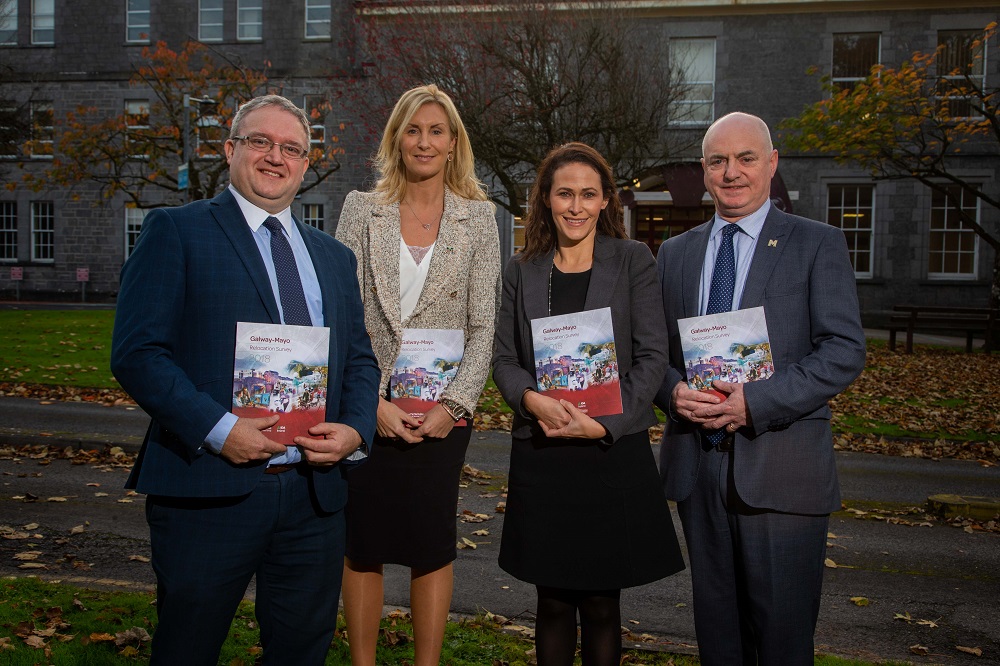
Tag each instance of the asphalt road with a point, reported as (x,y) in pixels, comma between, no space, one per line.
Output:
(936,573)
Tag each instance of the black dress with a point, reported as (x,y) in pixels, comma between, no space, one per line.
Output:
(402,501)
(581,514)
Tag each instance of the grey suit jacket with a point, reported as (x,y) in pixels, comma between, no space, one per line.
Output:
(623,278)
(802,275)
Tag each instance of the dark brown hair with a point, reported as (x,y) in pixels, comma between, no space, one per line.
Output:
(539,227)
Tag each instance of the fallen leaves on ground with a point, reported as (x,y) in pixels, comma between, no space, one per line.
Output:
(916,516)
(108,457)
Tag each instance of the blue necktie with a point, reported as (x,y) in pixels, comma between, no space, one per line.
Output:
(720,295)
(293,299)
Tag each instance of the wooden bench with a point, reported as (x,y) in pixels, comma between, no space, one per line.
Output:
(938,318)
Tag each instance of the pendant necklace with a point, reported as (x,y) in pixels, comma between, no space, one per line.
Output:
(427,226)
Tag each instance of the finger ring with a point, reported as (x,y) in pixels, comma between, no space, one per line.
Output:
(732,427)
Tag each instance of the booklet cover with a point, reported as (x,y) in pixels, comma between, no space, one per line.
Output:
(728,346)
(575,360)
(428,361)
(281,369)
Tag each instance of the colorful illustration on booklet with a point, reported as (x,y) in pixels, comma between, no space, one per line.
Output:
(270,377)
(427,364)
(575,360)
(731,347)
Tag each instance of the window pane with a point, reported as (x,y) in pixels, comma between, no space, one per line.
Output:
(210,21)
(953,244)
(43,22)
(43,231)
(137,21)
(249,19)
(854,54)
(8,22)
(692,61)
(846,210)
(8,230)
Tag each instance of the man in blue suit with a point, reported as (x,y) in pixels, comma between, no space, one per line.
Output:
(754,475)
(225,502)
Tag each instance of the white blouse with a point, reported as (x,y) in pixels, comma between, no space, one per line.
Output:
(411,278)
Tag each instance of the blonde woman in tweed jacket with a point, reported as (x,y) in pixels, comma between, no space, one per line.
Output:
(428,257)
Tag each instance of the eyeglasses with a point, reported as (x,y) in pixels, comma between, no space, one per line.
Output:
(263,144)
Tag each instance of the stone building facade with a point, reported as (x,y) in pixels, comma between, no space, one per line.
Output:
(747,55)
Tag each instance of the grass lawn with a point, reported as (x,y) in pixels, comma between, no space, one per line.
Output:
(48,623)
(70,348)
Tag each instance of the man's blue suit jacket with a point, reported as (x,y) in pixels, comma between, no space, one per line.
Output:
(194,273)
(801,273)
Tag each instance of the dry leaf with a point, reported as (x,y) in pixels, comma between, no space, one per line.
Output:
(27,555)
(903,616)
(860,601)
(973,650)
(32,565)
(100,494)
(36,642)
(93,485)
(928,623)
(56,499)
(481,533)
(921,650)
(468,543)
(138,558)
(101,637)
(829,564)
(31,526)
(77,530)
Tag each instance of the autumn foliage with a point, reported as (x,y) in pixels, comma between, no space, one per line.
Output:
(912,122)
(136,153)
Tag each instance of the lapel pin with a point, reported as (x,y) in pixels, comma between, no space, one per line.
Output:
(772,243)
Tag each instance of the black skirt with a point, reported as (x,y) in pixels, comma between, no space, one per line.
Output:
(586,516)
(401,503)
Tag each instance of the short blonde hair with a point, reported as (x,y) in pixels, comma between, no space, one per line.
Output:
(459,173)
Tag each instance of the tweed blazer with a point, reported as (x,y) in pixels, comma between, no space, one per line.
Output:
(461,291)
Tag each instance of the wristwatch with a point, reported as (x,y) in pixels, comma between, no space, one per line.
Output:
(456,411)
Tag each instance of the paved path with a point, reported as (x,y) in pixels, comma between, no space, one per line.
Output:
(938,573)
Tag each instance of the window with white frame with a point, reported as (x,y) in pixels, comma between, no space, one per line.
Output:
(961,63)
(210,20)
(954,244)
(692,63)
(312,214)
(137,21)
(43,130)
(8,22)
(316,107)
(133,225)
(249,20)
(136,123)
(8,231)
(317,19)
(854,55)
(852,209)
(43,231)
(43,22)
(10,134)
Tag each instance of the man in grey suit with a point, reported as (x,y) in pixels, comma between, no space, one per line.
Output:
(754,474)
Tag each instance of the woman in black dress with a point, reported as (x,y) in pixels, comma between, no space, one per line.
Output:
(585,515)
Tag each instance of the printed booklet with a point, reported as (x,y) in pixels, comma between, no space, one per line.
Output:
(428,361)
(728,346)
(281,369)
(575,360)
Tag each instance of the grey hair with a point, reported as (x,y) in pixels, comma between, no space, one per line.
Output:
(270,100)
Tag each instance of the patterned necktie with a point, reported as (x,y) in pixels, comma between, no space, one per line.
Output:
(293,299)
(720,295)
